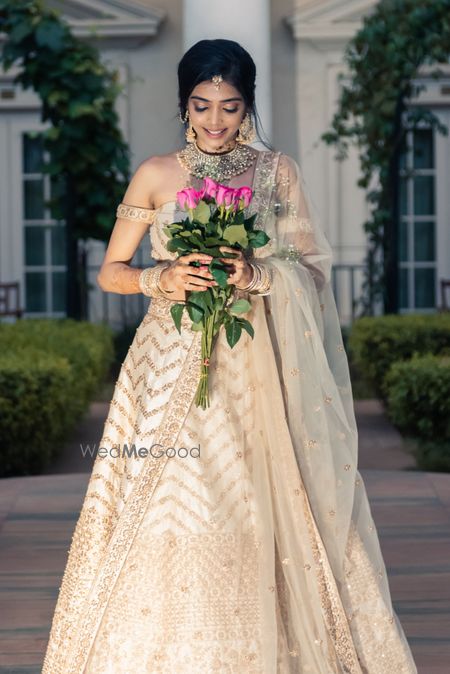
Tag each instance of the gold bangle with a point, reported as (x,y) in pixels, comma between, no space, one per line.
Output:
(263,286)
(149,279)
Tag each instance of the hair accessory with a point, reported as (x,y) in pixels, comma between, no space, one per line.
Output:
(216,80)
(218,166)
(246,130)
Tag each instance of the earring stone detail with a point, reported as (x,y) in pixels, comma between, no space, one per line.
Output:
(216,80)
(183,118)
(190,134)
(246,130)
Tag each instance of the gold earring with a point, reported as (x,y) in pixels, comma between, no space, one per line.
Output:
(190,134)
(246,131)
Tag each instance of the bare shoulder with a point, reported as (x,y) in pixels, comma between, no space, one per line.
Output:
(156,167)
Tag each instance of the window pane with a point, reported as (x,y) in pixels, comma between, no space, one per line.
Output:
(424,288)
(423,149)
(58,244)
(32,154)
(424,195)
(35,291)
(57,192)
(403,242)
(59,290)
(403,196)
(35,245)
(403,289)
(404,151)
(424,242)
(33,194)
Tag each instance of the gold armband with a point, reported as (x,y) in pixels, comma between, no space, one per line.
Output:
(135,213)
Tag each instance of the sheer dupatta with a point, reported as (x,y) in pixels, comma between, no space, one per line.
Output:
(326,540)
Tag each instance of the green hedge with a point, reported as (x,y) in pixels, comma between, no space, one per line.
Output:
(377,343)
(49,372)
(418,402)
(418,396)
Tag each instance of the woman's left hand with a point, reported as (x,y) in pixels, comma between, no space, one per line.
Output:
(241,272)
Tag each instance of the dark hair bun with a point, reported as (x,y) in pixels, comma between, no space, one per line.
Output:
(217,57)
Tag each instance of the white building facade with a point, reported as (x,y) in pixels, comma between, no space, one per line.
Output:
(298,49)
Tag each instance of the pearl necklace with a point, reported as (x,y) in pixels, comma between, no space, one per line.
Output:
(214,165)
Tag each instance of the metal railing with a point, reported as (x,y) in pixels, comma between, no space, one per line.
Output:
(347,281)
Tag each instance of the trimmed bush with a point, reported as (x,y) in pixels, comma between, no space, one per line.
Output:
(418,403)
(376,343)
(33,409)
(433,456)
(49,372)
(418,397)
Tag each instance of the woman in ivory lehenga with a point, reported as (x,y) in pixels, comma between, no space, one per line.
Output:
(245,544)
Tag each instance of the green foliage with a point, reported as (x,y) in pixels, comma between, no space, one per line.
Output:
(49,372)
(383,58)
(418,402)
(78,94)
(418,397)
(377,343)
(432,455)
(34,388)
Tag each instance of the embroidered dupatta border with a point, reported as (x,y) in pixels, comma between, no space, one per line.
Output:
(333,611)
(134,510)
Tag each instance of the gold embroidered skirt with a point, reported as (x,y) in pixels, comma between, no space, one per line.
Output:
(197,550)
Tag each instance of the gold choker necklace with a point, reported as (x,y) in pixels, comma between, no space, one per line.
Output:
(214,165)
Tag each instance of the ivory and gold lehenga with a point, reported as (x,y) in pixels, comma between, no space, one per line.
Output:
(260,555)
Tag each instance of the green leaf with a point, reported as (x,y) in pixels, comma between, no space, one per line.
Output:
(203,300)
(177,311)
(219,274)
(202,213)
(236,234)
(241,306)
(233,332)
(196,327)
(259,239)
(195,312)
(79,109)
(247,326)
(51,34)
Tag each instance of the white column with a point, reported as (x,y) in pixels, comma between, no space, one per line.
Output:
(246,22)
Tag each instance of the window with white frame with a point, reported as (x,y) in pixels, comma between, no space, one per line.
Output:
(44,236)
(417,235)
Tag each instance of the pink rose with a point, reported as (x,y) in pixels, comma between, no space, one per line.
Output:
(210,188)
(220,194)
(244,195)
(188,198)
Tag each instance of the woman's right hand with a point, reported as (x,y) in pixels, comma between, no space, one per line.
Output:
(180,276)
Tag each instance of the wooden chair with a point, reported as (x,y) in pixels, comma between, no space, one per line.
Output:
(10,300)
(445,285)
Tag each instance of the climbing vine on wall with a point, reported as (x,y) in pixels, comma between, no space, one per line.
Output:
(87,155)
(375,112)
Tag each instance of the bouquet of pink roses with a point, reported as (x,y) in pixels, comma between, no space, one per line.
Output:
(215,218)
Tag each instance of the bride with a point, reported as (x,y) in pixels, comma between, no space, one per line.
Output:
(236,539)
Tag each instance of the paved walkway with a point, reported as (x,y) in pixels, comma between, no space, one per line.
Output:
(411,510)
